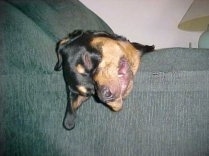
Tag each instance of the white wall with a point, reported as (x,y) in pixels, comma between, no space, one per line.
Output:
(146,21)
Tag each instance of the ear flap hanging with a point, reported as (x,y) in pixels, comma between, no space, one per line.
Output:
(75,34)
(143,48)
(87,61)
(71,37)
(58,65)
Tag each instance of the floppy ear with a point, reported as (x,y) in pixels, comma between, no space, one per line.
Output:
(143,48)
(58,65)
(75,34)
(91,60)
(60,45)
(87,60)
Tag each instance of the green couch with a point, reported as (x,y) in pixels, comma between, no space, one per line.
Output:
(167,114)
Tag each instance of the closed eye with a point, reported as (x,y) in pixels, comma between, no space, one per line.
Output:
(85,74)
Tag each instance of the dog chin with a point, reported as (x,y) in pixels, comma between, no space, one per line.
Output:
(124,81)
(124,86)
(125,76)
(119,86)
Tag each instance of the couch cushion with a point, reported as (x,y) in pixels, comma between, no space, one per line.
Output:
(166,114)
(30,30)
(176,59)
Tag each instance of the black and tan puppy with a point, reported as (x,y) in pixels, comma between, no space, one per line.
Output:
(97,63)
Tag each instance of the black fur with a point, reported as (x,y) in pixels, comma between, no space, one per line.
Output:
(73,50)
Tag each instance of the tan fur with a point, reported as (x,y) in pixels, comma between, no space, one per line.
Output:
(77,102)
(63,41)
(80,69)
(112,51)
(82,89)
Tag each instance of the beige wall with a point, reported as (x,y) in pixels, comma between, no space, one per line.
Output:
(146,21)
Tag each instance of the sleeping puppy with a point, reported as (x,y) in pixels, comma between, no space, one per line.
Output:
(115,72)
(97,63)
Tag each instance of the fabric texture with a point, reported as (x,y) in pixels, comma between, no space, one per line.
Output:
(167,112)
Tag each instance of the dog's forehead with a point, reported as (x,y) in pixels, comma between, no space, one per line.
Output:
(109,48)
(104,42)
(113,50)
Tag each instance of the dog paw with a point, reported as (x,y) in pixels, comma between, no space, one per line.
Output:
(69,121)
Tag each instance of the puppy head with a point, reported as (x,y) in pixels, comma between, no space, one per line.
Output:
(78,61)
(114,75)
(101,61)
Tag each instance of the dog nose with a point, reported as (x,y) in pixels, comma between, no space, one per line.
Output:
(106,93)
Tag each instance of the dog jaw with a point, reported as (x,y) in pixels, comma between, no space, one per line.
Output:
(116,105)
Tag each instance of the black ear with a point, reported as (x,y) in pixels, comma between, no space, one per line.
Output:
(62,43)
(58,65)
(87,61)
(75,34)
(143,48)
